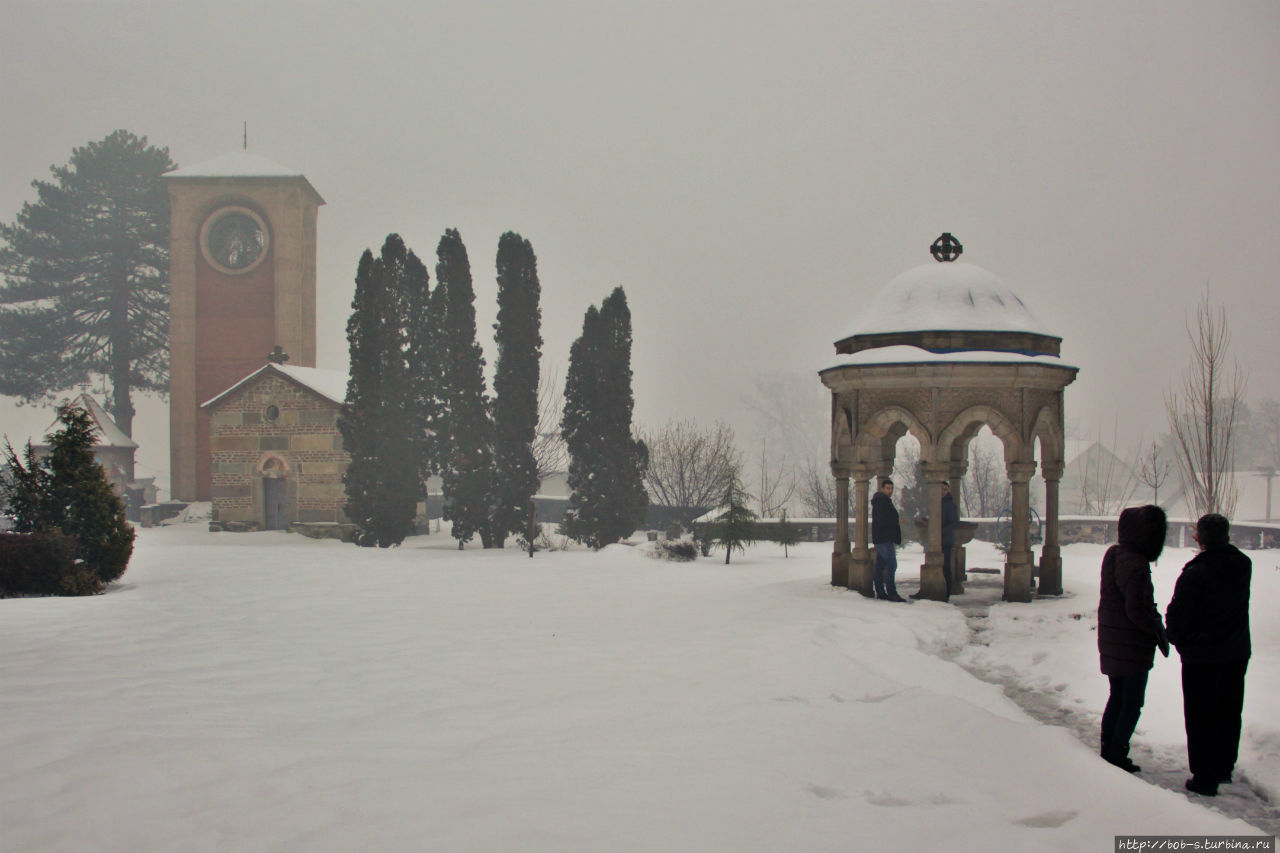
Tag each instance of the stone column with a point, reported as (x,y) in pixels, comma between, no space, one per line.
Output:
(840,556)
(1018,563)
(1051,555)
(933,585)
(862,562)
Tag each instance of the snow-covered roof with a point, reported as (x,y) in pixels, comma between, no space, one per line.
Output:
(330,384)
(109,435)
(238,164)
(947,296)
(906,354)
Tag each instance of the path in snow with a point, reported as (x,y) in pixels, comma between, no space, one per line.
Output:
(1161,765)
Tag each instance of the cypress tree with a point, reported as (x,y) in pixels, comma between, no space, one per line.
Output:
(515,387)
(422,362)
(382,483)
(606,471)
(464,432)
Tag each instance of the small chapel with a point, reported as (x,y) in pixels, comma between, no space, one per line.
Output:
(943,350)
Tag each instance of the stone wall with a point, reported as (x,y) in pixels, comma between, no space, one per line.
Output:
(301,445)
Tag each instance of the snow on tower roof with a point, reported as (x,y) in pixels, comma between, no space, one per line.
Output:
(238,164)
(947,296)
(907,354)
(109,434)
(330,384)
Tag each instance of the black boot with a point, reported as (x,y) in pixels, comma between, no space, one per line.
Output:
(1119,756)
(1202,787)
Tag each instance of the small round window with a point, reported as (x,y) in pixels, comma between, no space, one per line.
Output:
(272,413)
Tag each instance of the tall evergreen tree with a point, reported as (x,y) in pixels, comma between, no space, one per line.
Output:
(515,386)
(464,433)
(87,277)
(423,365)
(606,470)
(69,492)
(382,483)
(735,529)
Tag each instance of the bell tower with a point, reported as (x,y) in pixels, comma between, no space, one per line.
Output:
(242,266)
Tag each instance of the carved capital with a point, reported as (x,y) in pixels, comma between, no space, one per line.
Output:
(935,472)
(1052,470)
(1020,472)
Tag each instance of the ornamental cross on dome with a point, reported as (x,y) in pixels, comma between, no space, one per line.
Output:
(946,248)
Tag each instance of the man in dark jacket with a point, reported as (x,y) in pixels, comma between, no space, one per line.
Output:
(950,518)
(886,535)
(1129,626)
(1209,624)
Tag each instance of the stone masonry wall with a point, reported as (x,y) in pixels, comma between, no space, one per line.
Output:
(304,435)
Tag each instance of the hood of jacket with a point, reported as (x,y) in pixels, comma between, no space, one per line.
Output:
(1143,528)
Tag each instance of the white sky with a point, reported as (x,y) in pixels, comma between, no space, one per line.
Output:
(750,172)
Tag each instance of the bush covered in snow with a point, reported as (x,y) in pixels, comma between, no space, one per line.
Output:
(675,550)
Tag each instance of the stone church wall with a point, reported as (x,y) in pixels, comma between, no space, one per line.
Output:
(302,445)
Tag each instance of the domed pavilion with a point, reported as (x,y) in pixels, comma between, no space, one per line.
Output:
(945,349)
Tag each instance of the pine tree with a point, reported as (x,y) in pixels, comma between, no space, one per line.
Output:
(67,491)
(736,527)
(382,482)
(87,270)
(464,431)
(515,387)
(606,470)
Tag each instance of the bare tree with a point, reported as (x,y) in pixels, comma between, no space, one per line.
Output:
(816,489)
(549,451)
(1203,414)
(777,485)
(1153,470)
(1269,432)
(1106,483)
(986,489)
(691,466)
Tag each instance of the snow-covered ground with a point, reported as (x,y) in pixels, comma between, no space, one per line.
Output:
(268,692)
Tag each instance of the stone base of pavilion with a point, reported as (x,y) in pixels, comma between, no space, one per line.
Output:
(1023,579)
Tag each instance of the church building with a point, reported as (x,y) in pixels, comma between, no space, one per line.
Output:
(242,258)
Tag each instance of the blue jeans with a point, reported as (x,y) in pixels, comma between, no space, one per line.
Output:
(1124,706)
(886,568)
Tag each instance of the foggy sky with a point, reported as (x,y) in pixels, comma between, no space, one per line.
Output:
(751,173)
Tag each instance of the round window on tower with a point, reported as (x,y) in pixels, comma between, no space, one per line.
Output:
(272,413)
(234,240)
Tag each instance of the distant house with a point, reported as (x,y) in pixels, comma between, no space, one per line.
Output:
(114,451)
(1095,481)
(1257,498)
(276,453)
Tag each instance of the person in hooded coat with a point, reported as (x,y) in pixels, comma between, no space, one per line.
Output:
(1209,625)
(1129,626)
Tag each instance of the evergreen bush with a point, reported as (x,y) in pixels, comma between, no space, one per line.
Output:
(42,564)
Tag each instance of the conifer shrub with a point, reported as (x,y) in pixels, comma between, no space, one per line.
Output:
(43,564)
(67,491)
(676,550)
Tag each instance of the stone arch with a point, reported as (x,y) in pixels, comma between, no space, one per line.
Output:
(965,426)
(1046,429)
(880,432)
(272,465)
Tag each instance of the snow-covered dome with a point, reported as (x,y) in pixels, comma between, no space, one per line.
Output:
(949,307)
(948,296)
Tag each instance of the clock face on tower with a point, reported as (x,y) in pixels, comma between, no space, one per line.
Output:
(234,240)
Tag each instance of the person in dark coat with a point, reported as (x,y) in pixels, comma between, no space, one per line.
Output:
(1129,626)
(1209,625)
(886,535)
(950,518)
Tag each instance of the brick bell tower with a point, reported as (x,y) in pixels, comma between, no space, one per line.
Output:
(242,265)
